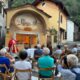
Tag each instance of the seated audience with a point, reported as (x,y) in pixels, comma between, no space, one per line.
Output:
(45,61)
(23,64)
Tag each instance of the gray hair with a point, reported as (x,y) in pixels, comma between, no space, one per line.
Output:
(38,46)
(65,46)
(3,51)
(46,51)
(73,59)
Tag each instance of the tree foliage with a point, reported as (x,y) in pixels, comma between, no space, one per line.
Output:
(21,2)
(73,7)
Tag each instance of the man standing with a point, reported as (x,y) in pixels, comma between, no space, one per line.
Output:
(12,46)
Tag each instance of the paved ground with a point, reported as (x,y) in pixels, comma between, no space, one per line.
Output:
(35,76)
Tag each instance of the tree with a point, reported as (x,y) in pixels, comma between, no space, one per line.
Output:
(21,2)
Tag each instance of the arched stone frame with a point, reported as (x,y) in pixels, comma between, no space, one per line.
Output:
(38,16)
(44,26)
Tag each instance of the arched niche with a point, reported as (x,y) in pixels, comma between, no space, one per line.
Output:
(28,20)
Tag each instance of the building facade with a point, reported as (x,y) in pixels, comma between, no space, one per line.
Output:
(32,24)
(3,5)
(70,30)
(73,33)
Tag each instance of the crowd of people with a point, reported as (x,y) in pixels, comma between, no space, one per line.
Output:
(64,61)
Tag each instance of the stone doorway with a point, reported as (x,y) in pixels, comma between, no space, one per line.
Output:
(26,39)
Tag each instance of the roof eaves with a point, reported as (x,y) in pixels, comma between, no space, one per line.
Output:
(58,2)
(41,11)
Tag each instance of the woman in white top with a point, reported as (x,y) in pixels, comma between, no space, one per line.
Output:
(23,64)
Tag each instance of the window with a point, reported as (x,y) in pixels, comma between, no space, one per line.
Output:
(65,35)
(61,19)
(43,3)
(55,38)
(48,39)
(0,7)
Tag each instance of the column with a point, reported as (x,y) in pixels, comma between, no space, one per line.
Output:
(52,40)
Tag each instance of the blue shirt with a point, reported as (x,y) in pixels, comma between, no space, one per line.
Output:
(6,61)
(46,62)
(67,74)
(38,52)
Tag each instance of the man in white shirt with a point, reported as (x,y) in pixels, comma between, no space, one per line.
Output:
(30,52)
(23,64)
(58,52)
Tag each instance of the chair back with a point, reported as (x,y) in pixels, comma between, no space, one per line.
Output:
(25,70)
(21,70)
(6,74)
(46,69)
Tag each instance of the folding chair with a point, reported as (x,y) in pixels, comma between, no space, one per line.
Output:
(6,74)
(58,77)
(46,69)
(19,70)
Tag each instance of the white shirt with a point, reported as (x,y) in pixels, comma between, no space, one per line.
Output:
(23,65)
(58,51)
(74,50)
(30,52)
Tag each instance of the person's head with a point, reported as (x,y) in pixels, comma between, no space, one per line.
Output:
(12,37)
(65,47)
(70,61)
(23,55)
(38,46)
(42,46)
(3,52)
(46,51)
(68,52)
(75,45)
(58,47)
(26,46)
(64,62)
(35,47)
